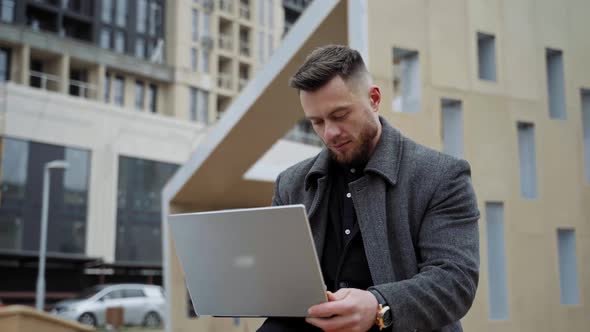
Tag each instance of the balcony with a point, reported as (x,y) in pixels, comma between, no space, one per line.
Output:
(242,83)
(225,42)
(82,89)
(44,81)
(224,81)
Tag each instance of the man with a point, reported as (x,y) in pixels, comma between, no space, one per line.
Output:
(394,222)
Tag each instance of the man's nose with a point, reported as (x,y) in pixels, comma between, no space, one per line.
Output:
(331,132)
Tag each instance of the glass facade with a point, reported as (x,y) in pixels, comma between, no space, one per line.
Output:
(21,188)
(139,209)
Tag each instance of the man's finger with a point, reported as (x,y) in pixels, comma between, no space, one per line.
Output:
(333,324)
(332,308)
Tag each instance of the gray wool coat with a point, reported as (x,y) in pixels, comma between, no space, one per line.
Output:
(417,213)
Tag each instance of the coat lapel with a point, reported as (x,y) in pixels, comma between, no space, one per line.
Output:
(317,186)
(368,194)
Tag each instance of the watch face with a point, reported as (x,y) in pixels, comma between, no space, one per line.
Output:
(387,319)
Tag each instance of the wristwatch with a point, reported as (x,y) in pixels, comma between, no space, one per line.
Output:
(384,317)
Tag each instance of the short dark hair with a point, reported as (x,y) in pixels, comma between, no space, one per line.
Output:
(325,63)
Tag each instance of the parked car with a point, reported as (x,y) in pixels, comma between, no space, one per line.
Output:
(142,305)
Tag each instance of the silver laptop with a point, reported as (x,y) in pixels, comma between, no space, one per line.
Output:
(249,262)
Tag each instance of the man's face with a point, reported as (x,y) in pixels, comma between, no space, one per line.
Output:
(345,118)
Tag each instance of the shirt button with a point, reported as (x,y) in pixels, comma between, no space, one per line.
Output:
(347,231)
(348,195)
(352,170)
(343,284)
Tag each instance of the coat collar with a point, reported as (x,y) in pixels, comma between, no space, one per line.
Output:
(385,160)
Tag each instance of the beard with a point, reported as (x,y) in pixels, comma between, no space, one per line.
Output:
(360,153)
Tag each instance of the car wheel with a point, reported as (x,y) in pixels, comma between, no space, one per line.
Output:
(152,319)
(88,319)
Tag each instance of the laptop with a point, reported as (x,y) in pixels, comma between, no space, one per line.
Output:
(258,262)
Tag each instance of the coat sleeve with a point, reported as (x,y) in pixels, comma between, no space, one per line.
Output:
(444,288)
(276,197)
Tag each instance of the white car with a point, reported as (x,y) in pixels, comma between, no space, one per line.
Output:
(142,305)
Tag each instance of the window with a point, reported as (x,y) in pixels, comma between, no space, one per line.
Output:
(105,38)
(21,196)
(406,81)
(121,12)
(107,10)
(206,22)
(486,56)
(119,93)
(120,41)
(205,61)
(7,10)
(270,9)
(4,64)
(194,56)
(139,187)
(261,13)
(141,15)
(195,26)
(586,131)
(153,98)
(270,45)
(133,293)
(261,46)
(140,48)
(199,103)
(527,157)
(568,269)
(555,84)
(139,95)
(107,88)
(498,289)
(155,18)
(452,127)
(116,294)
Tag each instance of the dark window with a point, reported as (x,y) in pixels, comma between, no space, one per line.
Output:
(21,196)
(4,64)
(140,183)
(7,10)
(119,93)
(105,38)
(107,88)
(107,11)
(153,98)
(139,95)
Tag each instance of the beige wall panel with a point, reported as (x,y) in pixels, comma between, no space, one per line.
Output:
(551,21)
(489,145)
(448,37)
(521,54)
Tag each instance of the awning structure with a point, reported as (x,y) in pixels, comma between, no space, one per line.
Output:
(264,111)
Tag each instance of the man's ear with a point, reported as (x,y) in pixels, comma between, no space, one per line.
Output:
(375,97)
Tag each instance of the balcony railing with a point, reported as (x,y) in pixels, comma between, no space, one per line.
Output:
(224,81)
(225,42)
(298,134)
(44,81)
(83,89)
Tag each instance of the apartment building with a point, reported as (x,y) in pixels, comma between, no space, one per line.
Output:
(123,91)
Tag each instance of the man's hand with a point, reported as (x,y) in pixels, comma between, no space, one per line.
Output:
(349,309)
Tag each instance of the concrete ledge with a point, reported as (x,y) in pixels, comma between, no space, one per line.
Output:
(18,318)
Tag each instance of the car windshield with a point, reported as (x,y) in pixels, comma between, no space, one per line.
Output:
(87,293)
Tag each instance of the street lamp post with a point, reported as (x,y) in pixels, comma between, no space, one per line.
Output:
(40,296)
